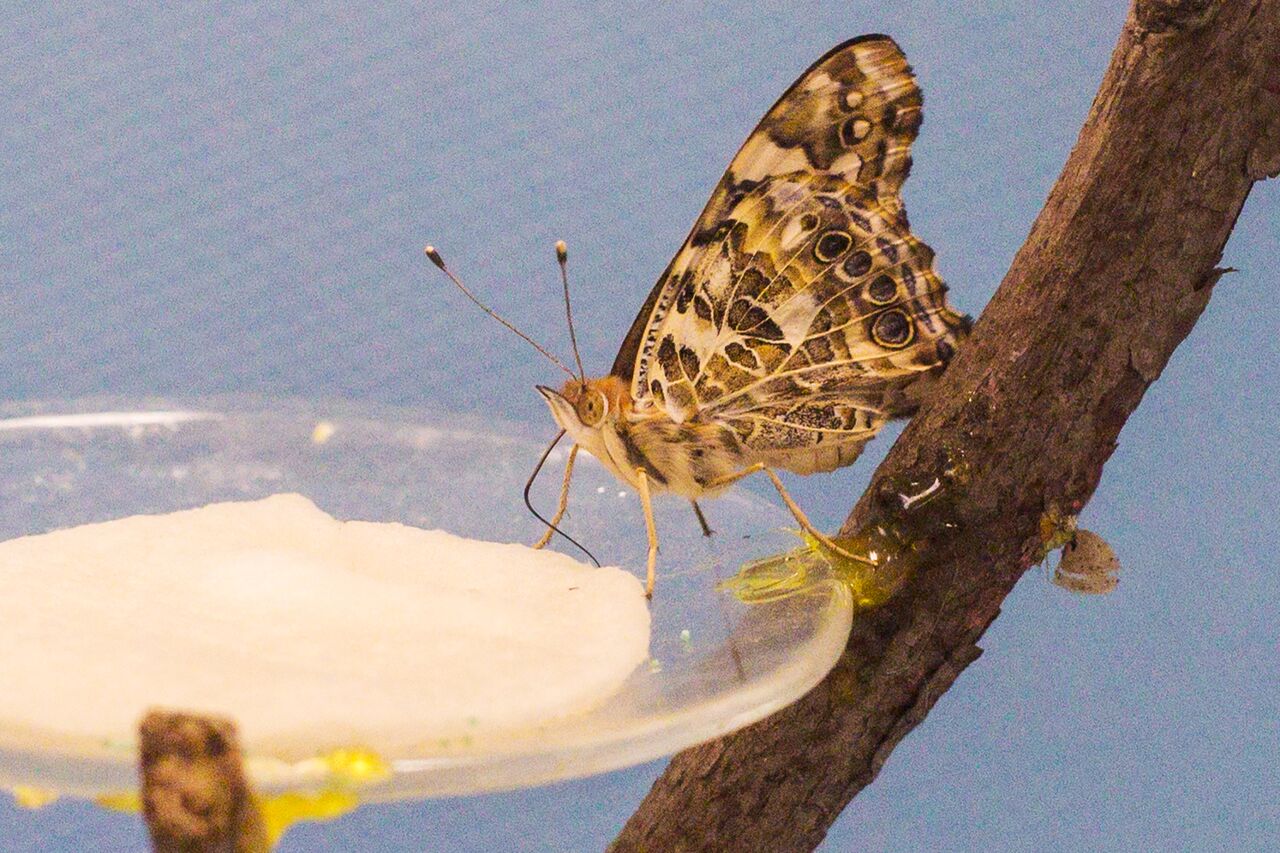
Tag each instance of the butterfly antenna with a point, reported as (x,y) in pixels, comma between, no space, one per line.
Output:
(439,262)
(529,504)
(562,257)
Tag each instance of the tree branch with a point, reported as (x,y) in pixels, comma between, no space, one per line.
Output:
(1115,272)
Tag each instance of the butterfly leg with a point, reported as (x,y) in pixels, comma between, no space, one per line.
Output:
(702,519)
(564,500)
(796,512)
(642,486)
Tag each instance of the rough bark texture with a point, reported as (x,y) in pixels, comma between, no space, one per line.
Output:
(194,793)
(1117,269)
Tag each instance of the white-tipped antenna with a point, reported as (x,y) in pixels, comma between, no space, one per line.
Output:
(439,261)
(562,257)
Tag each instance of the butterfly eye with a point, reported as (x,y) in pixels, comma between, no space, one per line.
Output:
(591,408)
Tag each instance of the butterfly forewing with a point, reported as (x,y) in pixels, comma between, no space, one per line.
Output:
(801,301)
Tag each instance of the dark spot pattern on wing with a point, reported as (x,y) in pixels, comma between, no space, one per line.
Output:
(689,362)
(741,356)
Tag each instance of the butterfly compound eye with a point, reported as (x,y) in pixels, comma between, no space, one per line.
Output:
(591,407)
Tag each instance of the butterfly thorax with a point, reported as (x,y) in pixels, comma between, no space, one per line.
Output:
(687,458)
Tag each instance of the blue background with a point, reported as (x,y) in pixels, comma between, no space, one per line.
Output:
(232,196)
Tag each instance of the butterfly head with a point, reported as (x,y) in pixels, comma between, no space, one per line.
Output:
(585,408)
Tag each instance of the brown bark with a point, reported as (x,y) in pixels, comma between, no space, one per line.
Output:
(194,793)
(1116,271)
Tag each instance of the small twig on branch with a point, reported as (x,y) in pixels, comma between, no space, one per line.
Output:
(194,793)
(1117,269)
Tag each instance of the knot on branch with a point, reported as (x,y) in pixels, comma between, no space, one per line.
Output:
(1264,159)
(1163,16)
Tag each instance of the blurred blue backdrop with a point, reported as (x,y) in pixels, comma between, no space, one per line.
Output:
(233,196)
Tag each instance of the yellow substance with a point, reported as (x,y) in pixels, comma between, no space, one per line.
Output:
(345,769)
(279,811)
(871,580)
(341,767)
(1056,530)
(129,802)
(356,766)
(282,811)
(872,583)
(877,560)
(323,432)
(31,797)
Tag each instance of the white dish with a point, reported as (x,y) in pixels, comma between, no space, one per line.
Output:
(717,664)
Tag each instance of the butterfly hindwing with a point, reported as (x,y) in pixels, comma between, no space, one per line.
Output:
(801,300)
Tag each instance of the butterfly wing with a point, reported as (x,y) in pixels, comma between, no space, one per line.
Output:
(813,127)
(801,303)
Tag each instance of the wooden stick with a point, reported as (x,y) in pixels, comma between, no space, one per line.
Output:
(195,797)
